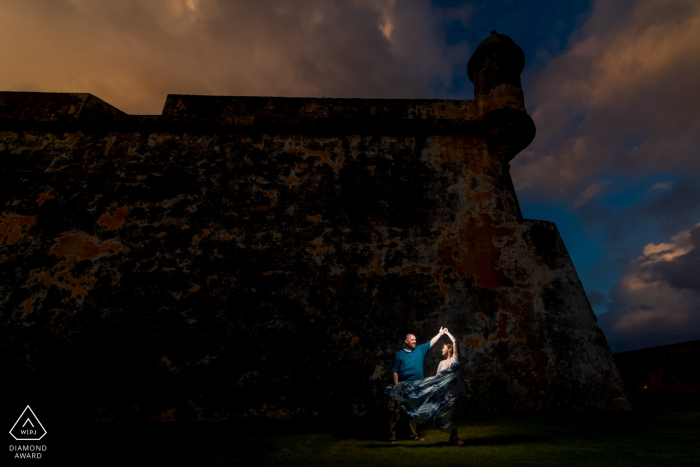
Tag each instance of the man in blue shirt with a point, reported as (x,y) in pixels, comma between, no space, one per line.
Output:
(408,366)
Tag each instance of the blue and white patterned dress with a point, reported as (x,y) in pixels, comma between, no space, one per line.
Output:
(433,398)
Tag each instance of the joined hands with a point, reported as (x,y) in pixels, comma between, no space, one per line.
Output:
(444,331)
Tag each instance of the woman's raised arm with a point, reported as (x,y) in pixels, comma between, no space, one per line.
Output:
(455,346)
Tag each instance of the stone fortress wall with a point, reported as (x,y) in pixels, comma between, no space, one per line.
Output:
(264,256)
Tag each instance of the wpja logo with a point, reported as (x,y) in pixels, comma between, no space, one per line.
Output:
(28,428)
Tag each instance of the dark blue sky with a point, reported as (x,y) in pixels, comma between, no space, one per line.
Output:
(542,30)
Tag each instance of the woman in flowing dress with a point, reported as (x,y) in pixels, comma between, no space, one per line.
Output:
(435,398)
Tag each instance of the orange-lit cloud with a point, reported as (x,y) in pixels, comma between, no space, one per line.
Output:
(132,53)
(623,99)
(657,299)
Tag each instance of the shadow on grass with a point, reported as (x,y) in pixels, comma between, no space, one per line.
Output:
(495,441)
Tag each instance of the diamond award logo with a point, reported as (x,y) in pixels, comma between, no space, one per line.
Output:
(28,427)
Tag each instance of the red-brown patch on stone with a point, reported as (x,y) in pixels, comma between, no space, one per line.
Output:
(269,273)
(78,287)
(315,219)
(272,194)
(481,317)
(165,417)
(501,327)
(80,246)
(44,197)
(320,249)
(475,341)
(194,288)
(115,221)
(479,257)
(453,149)
(440,283)
(225,236)
(519,275)
(260,207)
(376,264)
(12,228)
(292,179)
(74,249)
(27,308)
(324,157)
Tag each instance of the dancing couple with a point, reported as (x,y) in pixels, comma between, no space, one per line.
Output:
(433,398)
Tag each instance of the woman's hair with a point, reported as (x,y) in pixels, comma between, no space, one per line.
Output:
(449,348)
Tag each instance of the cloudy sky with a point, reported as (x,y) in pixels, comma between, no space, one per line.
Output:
(613,87)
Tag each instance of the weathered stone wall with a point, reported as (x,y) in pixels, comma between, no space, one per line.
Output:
(265,256)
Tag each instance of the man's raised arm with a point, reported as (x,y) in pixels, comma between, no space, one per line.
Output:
(437,336)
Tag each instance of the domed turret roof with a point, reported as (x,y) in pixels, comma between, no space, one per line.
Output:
(494,37)
(496,40)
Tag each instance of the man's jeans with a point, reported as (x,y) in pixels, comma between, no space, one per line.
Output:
(395,415)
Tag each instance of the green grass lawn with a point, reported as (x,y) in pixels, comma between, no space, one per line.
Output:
(658,433)
(661,431)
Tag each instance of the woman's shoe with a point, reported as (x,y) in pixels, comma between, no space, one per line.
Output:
(456,441)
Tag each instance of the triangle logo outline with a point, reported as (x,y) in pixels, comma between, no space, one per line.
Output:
(22,417)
